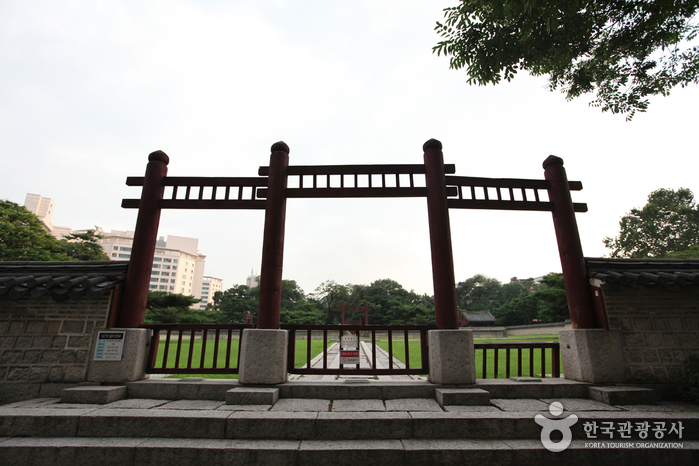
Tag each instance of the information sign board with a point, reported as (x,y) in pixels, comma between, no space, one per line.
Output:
(349,342)
(110,346)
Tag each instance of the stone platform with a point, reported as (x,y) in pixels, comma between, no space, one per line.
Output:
(404,425)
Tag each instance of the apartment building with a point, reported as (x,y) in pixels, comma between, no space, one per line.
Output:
(178,266)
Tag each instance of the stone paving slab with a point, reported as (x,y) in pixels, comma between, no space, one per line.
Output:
(471,409)
(363,425)
(33,403)
(252,396)
(300,405)
(192,404)
(664,406)
(93,395)
(69,451)
(78,406)
(457,451)
(217,451)
(40,422)
(520,405)
(413,404)
(579,404)
(135,403)
(351,452)
(358,405)
(244,408)
(462,396)
(271,425)
(153,423)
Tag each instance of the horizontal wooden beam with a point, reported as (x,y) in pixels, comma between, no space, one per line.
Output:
(515,183)
(202,181)
(508,205)
(200,204)
(356,169)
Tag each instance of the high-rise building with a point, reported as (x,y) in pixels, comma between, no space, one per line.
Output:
(209,286)
(253,280)
(178,266)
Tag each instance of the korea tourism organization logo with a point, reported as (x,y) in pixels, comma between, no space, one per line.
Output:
(608,434)
(548,426)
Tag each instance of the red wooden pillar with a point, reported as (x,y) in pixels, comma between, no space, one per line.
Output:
(440,237)
(580,304)
(273,244)
(133,303)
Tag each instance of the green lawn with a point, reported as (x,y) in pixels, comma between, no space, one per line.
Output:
(414,350)
(300,359)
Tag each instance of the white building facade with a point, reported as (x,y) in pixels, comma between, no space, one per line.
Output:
(178,266)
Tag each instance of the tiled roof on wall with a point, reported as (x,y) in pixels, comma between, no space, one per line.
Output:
(671,274)
(479,316)
(60,280)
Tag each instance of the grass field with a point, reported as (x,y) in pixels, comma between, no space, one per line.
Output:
(300,359)
(414,350)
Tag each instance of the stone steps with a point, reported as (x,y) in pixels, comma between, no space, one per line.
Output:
(77,451)
(212,389)
(199,421)
(309,425)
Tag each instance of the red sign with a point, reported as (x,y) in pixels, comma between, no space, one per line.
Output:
(349,357)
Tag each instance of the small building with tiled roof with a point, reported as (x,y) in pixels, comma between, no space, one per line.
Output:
(476,319)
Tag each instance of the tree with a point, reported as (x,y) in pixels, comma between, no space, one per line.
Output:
(235,303)
(552,299)
(691,253)
(668,223)
(23,237)
(170,308)
(477,293)
(624,50)
(83,246)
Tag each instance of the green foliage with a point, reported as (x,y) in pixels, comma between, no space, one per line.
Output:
(83,246)
(478,293)
(689,388)
(23,237)
(170,308)
(234,303)
(668,223)
(624,50)
(304,313)
(548,303)
(551,296)
(691,253)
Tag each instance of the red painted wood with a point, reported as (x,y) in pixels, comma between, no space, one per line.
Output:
(582,311)
(133,307)
(440,237)
(273,243)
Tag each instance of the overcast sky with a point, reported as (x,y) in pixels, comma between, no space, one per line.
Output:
(88,89)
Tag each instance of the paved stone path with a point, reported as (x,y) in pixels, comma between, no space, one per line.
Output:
(365,358)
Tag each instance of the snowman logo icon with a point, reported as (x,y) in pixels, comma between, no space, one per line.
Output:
(549,425)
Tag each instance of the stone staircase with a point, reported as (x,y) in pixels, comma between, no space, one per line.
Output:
(196,421)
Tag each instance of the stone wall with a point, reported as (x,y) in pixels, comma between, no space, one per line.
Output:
(659,328)
(45,341)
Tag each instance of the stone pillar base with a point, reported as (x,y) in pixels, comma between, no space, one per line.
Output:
(133,358)
(452,357)
(592,355)
(263,355)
